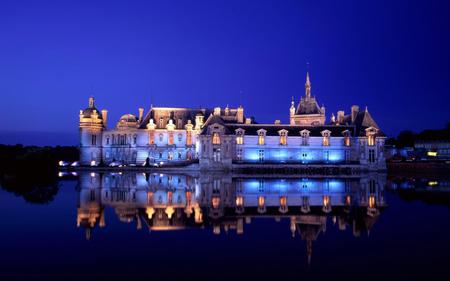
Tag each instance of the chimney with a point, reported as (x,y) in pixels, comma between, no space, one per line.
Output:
(248,120)
(277,122)
(104,116)
(240,114)
(355,110)
(141,114)
(340,116)
(217,111)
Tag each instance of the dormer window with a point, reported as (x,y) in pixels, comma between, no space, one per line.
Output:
(161,122)
(371,133)
(261,137)
(326,138)
(216,138)
(346,134)
(239,136)
(305,137)
(283,137)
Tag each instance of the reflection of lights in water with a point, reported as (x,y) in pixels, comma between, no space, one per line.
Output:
(348,200)
(371,201)
(215,202)
(261,201)
(433,183)
(239,201)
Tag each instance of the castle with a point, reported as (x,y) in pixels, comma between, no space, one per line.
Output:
(223,138)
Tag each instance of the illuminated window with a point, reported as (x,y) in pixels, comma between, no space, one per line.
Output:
(261,137)
(188,138)
(347,141)
(261,155)
(216,138)
(170,140)
(151,137)
(283,137)
(326,138)
(371,140)
(161,123)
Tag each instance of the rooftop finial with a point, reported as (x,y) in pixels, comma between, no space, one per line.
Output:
(91,102)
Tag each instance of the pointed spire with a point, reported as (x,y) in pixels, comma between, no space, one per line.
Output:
(307,86)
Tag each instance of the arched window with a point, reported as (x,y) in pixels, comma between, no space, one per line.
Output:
(161,137)
(161,123)
(134,139)
(180,137)
(371,140)
(216,138)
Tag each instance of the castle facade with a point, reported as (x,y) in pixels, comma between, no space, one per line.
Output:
(223,138)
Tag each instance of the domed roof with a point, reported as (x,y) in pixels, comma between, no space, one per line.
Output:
(128,118)
(90,110)
(127,121)
(87,112)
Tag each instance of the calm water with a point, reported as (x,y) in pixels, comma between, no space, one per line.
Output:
(224,227)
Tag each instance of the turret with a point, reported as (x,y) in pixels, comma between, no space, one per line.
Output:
(240,114)
(91,127)
(292,112)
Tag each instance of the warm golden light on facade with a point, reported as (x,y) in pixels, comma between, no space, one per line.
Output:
(188,138)
(261,140)
(348,200)
(170,140)
(347,141)
(326,141)
(239,140)
(216,138)
(283,137)
(371,140)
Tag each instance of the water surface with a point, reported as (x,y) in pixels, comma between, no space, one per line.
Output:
(224,227)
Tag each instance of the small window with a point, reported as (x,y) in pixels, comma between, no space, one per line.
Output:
(180,137)
(160,137)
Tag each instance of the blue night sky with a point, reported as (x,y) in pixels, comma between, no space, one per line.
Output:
(392,56)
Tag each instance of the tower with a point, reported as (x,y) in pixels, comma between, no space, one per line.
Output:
(308,112)
(91,125)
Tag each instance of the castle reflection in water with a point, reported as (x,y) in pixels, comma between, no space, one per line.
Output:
(226,202)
